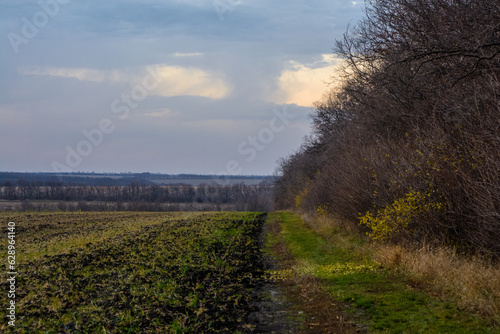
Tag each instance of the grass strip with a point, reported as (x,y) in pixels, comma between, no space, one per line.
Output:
(372,295)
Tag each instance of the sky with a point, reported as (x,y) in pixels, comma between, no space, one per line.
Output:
(207,87)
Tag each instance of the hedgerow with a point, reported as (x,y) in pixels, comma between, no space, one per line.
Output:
(410,136)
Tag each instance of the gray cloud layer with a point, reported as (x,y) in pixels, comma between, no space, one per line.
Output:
(64,64)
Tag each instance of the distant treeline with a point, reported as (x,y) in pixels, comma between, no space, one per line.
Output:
(39,179)
(239,197)
(121,179)
(408,143)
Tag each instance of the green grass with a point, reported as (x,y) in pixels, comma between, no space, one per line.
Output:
(372,295)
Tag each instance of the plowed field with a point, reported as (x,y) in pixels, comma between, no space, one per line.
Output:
(131,272)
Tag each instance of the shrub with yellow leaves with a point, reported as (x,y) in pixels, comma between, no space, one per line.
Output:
(322,210)
(400,216)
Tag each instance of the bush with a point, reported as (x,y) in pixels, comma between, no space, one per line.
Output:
(403,218)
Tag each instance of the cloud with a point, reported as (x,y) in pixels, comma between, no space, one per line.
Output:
(83,74)
(187,54)
(220,80)
(177,81)
(161,113)
(303,84)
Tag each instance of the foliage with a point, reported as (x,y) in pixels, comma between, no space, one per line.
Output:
(416,107)
(322,210)
(400,216)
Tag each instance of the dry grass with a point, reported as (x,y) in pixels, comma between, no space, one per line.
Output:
(343,234)
(328,224)
(473,282)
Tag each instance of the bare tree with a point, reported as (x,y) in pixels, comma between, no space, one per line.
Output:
(417,111)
